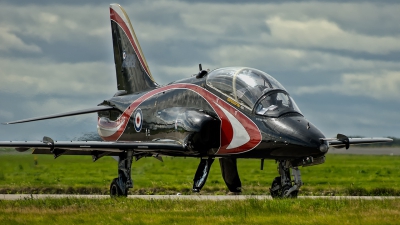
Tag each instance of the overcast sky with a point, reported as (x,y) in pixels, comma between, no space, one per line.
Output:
(340,61)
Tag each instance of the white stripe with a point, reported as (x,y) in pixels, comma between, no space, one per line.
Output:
(240,135)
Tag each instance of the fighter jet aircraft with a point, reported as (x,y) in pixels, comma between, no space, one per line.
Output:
(227,113)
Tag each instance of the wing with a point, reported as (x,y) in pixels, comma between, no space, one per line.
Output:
(96,149)
(342,141)
(72,113)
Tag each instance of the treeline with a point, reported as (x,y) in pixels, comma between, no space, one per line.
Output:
(91,136)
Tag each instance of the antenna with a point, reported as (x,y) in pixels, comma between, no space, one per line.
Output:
(201,73)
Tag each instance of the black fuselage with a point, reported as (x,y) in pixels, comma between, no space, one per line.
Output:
(185,111)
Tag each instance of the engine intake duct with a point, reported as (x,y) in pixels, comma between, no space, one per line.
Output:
(204,129)
(209,134)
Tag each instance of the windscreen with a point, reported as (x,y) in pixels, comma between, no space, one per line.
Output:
(275,104)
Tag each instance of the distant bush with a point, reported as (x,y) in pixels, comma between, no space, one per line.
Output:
(353,191)
(92,136)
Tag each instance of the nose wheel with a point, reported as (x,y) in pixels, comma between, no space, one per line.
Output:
(283,186)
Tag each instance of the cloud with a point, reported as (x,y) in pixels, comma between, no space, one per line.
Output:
(326,35)
(6,114)
(319,63)
(381,86)
(9,42)
(34,77)
(55,23)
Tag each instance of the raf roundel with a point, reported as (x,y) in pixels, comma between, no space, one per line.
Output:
(124,55)
(138,120)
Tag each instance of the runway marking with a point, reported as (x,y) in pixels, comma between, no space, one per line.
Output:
(189,197)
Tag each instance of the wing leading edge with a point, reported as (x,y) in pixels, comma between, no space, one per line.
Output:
(95,148)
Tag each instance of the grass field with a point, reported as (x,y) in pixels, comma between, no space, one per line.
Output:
(339,175)
(251,211)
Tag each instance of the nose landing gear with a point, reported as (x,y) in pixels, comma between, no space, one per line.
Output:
(284,186)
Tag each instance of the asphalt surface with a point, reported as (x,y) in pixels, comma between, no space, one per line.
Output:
(188,197)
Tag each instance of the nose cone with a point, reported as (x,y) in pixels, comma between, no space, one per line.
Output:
(299,136)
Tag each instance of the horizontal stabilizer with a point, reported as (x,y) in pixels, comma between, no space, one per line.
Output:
(72,113)
(342,141)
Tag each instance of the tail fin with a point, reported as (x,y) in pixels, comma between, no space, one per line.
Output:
(133,73)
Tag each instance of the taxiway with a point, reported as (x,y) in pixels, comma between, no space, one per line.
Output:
(186,197)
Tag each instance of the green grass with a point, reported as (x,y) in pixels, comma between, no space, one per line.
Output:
(251,211)
(339,175)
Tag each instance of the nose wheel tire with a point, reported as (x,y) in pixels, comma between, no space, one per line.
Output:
(276,190)
(285,191)
(283,186)
(281,192)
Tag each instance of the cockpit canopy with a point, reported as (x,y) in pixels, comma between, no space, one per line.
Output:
(249,87)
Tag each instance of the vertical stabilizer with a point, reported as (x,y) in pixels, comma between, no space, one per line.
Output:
(133,73)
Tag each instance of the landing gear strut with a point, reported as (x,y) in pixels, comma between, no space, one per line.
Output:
(231,176)
(120,185)
(228,170)
(284,186)
(201,175)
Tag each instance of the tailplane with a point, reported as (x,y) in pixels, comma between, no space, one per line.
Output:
(133,73)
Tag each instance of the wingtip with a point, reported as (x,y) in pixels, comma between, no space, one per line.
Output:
(10,122)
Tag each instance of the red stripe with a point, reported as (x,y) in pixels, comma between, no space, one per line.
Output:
(114,16)
(226,128)
(213,100)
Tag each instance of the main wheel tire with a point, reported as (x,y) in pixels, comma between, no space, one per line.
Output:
(115,190)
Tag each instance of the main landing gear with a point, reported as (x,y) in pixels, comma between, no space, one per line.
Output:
(229,173)
(119,186)
(283,186)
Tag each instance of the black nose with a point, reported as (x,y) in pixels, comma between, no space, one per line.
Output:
(300,136)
